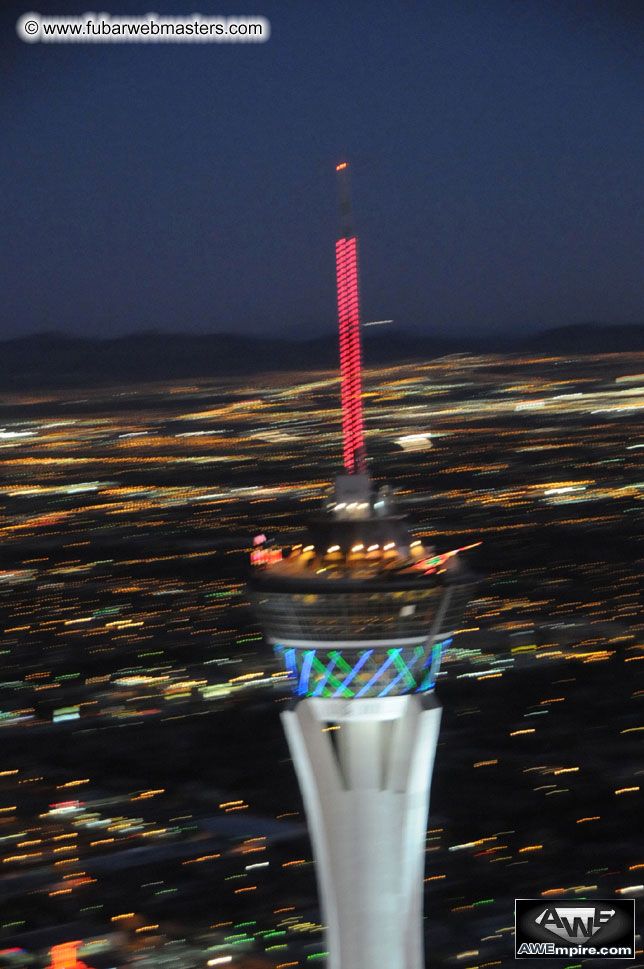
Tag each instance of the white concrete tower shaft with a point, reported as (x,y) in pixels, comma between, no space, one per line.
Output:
(365,769)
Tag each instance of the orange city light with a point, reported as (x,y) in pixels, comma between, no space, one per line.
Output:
(64,956)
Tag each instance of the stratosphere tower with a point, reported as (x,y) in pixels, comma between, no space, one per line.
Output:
(360,615)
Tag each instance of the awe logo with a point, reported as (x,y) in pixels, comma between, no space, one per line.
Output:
(577,924)
(575,927)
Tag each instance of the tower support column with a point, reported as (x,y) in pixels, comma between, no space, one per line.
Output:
(365,768)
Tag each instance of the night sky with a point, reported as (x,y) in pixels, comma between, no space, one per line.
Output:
(496,149)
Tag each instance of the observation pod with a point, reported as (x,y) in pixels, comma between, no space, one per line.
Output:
(360,616)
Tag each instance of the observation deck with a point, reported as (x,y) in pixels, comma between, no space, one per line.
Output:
(362,609)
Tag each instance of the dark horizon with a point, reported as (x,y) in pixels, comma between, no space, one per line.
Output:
(330,331)
(56,360)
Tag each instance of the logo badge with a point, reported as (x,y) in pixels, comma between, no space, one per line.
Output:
(575,927)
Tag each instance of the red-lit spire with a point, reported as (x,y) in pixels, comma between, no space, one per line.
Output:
(346,264)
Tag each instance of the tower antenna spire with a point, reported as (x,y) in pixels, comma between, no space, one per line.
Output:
(346,264)
(346,212)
